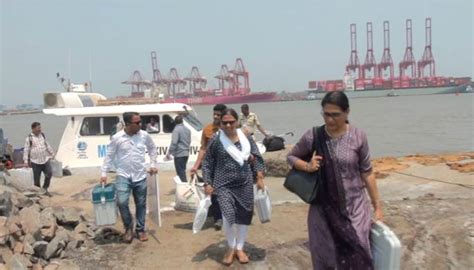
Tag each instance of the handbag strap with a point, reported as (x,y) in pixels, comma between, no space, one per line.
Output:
(315,141)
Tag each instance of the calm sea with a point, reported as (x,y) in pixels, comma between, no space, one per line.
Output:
(395,126)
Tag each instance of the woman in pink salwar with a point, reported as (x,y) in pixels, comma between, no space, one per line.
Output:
(339,221)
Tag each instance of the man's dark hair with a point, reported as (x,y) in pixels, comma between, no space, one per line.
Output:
(219,107)
(35,124)
(244,106)
(178,119)
(127,117)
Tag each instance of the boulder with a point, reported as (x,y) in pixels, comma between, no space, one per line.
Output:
(18,248)
(19,262)
(68,216)
(6,204)
(30,239)
(14,230)
(30,219)
(28,248)
(56,245)
(40,248)
(81,228)
(4,234)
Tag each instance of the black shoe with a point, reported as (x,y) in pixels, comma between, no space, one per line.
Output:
(46,192)
(218,225)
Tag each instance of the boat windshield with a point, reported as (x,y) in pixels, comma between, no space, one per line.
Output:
(193,121)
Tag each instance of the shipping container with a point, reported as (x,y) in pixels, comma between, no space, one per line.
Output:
(312,84)
(359,84)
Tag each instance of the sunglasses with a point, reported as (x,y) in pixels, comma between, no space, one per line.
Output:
(225,123)
(331,114)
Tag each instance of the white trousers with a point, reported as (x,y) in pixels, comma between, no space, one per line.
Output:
(235,234)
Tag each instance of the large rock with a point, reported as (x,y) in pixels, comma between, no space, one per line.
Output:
(6,204)
(56,245)
(30,239)
(14,230)
(19,262)
(28,248)
(4,234)
(275,162)
(30,219)
(18,248)
(40,248)
(68,216)
(48,224)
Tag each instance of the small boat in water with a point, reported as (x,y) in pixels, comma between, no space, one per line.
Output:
(392,94)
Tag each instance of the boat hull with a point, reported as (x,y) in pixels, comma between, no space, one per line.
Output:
(368,93)
(250,98)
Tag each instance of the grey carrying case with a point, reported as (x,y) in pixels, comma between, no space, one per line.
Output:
(305,184)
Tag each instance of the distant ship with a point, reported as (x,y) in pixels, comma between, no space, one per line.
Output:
(385,88)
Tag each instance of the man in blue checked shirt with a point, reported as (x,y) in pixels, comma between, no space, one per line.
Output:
(126,152)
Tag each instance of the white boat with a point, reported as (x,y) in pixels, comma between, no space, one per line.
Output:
(89,127)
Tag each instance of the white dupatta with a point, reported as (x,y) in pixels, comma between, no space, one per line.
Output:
(232,150)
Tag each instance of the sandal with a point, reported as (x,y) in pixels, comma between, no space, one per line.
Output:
(242,257)
(228,257)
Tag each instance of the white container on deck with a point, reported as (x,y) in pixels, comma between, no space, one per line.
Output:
(386,247)
(56,167)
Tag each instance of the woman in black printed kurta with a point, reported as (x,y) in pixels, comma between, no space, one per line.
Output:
(227,170)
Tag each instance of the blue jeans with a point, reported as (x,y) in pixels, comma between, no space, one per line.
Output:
(138,189)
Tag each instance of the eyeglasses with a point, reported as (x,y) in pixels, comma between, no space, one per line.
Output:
(331,114)
(225,123)
(136,123)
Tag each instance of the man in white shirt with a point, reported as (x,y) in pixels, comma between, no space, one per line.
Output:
(153,126)
(127,152)
(36,154)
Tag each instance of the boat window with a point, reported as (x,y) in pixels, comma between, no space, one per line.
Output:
(193,121)
(168,123)
(151,123)
(96,126)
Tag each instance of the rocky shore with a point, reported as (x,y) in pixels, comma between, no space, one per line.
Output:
(427,202)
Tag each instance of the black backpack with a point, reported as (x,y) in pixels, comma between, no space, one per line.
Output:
(274,143)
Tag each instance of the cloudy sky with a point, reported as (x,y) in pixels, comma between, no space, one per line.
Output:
(284,44)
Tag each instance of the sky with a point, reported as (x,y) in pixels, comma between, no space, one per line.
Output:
(284,44)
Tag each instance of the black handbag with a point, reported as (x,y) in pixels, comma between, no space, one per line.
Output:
(305,184)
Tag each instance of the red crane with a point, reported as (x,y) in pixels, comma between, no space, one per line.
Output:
(386,61)
(138,82)
(226,81)
(239,71)
(408,59)
(370,63)
(175,83)
(157,77)
(427,59)
(354,64)
(196,82)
